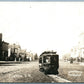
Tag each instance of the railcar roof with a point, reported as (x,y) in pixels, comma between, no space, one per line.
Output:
(49,54)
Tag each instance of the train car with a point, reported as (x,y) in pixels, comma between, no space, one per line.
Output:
(49,62)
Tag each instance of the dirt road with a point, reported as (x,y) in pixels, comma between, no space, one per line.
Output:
(25,72)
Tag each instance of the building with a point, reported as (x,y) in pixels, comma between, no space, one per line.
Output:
(0,44)
(75,52)
(22,55)
(81,44)
(14,51)
(4,51)
(78,50)
(28,56)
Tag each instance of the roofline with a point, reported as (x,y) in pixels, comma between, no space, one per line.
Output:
(48,54)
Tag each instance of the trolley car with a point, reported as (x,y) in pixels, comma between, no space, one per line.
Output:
(49,62)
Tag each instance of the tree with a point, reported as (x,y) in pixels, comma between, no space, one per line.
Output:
(36,56)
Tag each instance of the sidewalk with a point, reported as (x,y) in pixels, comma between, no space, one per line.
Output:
(59,79)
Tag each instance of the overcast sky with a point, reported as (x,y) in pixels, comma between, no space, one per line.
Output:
(39,26)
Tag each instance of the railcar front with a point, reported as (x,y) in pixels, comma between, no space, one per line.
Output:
(49,63)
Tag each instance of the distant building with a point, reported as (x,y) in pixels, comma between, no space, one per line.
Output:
(4,51)
(28,56)
(81,44)
(22,55)
(81,40)
(14,51)
(0,43)
(78,51)
(66,56)
(75,52)
(0,37)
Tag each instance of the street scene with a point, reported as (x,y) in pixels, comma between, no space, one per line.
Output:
(21,66)
(41,42)
(29,72)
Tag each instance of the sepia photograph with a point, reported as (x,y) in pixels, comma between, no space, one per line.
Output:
(41,42)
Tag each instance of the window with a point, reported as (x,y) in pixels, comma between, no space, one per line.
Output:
(53,60)
(46,59)
(40,60)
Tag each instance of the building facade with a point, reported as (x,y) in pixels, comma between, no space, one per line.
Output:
(78,50)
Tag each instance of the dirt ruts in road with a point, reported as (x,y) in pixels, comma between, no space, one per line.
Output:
(25,73)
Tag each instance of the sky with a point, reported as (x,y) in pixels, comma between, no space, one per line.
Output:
(40,26)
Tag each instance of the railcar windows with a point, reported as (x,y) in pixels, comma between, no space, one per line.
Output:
(53,60)
(40,60)
(46,59)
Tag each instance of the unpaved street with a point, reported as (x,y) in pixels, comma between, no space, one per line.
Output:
(66,67)
(29,72)
(24,72)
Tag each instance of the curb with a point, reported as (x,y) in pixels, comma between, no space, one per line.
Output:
(10,62)
(58,79)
